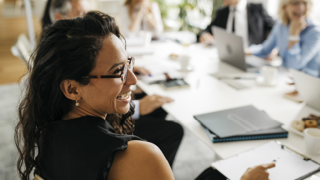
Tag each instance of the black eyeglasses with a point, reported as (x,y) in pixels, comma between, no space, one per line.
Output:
(129,65)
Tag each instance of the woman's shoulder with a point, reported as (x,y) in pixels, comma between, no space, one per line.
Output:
(141,160)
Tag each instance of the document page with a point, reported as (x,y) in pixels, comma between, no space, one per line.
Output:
(289,165)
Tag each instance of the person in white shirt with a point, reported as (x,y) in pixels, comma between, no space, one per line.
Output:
(140,15)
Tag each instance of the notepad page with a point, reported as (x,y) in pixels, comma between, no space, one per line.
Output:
(289,165)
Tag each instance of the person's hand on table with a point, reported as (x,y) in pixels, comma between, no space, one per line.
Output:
(206,38)
(258,172)
(150,103)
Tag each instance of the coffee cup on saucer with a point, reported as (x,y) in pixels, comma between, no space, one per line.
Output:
(268,76)
(312,140)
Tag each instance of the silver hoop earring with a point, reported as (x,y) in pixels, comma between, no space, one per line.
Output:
(77,103)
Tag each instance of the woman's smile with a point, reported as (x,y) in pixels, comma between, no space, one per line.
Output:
(125,97)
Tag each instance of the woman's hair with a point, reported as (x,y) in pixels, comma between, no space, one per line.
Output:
(132,5)
(52,7)
(283,15)
(67,50)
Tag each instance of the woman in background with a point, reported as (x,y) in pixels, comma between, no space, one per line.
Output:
(296,37)
(141,15)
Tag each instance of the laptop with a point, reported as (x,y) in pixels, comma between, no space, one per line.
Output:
(230,50)
(308,87)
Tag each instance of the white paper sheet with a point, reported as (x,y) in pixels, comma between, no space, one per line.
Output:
(289,165)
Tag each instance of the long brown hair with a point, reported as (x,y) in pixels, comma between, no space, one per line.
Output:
(132,4)
(67,50)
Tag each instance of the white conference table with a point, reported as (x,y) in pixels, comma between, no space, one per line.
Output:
(207,94)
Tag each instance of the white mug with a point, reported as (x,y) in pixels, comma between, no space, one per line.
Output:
(312,140)
(184,62)
(269,73)
(147,38)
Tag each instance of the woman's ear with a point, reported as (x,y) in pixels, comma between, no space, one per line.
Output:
(70,89)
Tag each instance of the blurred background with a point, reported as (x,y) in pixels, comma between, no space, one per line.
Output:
(177,15)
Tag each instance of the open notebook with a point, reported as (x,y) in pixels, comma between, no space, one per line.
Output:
(289,164)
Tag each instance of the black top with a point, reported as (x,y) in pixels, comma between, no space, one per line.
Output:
(259,22)
(81,148)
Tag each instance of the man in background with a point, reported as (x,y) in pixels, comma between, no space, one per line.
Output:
(250,21)
(150,121)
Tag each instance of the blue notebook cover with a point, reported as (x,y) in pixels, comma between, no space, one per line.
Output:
(267,134)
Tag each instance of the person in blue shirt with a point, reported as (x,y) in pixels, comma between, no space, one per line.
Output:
(295,36)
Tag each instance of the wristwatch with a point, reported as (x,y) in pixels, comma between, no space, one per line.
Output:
(294,38)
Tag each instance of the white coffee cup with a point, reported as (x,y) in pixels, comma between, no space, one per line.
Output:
(184,62)
(147,38)
(312,140)
(269,74)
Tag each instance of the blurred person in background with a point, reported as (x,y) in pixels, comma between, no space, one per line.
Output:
(296,37)
(250,21)
(140,15)
(151,124)
(63,9)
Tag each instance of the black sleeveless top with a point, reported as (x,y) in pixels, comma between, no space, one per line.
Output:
(81,149)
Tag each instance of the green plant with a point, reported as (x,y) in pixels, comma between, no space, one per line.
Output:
(163,8)
(185,8)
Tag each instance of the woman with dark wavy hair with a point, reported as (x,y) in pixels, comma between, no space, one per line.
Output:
(75,119)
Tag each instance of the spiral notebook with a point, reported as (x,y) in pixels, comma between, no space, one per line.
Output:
(289,164)
(265,134)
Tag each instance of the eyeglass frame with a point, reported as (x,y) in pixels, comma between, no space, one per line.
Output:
(123,75)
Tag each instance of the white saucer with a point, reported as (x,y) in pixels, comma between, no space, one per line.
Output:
(261,82)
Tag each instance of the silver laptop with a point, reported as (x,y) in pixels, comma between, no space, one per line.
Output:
(308,87)
(230,50)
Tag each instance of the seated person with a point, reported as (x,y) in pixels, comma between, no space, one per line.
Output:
(250,21)
(63,9)
(140,15)
(296,37)
(75,117)
(151,124)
